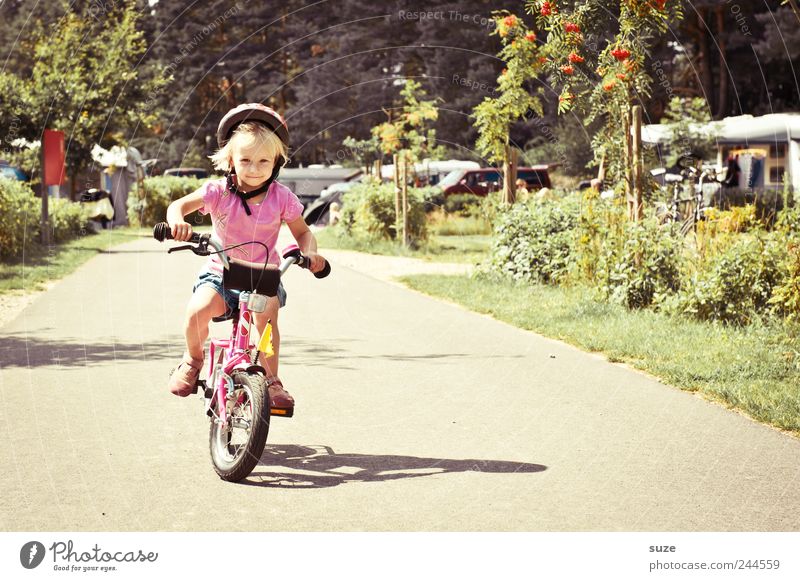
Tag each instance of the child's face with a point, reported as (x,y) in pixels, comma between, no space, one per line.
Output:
(253,164)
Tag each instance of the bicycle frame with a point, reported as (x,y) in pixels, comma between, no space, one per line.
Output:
(237,353)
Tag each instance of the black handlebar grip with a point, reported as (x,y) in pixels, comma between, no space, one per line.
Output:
(325,271)
(162,231)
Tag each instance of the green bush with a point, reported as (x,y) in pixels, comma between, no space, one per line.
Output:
(646,268)
(149,208)
(533,243)
(767,203)
(735,283)
(368,213)
(600,229)
(789,220)
(463,204)
(67,219)
(19,217)
(21,214)
(785,298)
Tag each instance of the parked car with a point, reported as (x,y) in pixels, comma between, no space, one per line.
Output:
(318,211)
(308,182)
(187,172)
(13,173)
(489,179)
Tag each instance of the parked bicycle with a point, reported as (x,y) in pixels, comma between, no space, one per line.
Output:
(235,391)
(686,206)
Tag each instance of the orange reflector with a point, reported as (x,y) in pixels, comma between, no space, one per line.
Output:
(278,412)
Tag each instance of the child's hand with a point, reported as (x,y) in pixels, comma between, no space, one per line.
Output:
(317,261)
(181,231)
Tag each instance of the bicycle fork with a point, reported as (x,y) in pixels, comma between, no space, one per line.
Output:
(236,353)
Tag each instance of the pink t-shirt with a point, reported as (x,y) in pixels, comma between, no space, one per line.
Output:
(232,225)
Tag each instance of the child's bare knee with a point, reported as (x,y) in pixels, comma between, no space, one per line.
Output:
(269,315)
(204,306)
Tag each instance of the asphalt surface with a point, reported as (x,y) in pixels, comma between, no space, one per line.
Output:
(412,415)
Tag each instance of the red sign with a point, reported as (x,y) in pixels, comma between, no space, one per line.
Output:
(53,157)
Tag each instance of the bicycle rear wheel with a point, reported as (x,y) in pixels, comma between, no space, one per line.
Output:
(688,225)
(237,447)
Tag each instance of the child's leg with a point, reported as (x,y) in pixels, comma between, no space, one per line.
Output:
(279,398)
(205,304)
(270,314)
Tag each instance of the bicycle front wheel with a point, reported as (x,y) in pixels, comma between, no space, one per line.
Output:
(237,447)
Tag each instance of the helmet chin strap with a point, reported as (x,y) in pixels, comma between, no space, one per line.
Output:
(244,196)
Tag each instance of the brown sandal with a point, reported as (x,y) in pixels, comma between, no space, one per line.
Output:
(280,402)
(183,379)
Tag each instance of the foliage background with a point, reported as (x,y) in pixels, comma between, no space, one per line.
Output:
(161,80)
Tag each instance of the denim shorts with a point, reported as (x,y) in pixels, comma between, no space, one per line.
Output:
(231,297)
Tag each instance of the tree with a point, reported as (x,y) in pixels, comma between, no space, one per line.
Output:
(596,52)
(86,81)
(495,115)
(409,128)
(409,137)
(688,120)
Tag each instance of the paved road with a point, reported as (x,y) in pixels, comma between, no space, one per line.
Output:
(412,414)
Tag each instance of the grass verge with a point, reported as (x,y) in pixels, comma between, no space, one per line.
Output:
(41,265)
(754,369)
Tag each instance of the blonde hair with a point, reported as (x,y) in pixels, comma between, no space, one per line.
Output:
(247,135)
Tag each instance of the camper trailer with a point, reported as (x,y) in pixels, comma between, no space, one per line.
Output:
(767,147)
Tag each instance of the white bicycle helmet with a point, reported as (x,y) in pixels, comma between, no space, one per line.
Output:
(251,112)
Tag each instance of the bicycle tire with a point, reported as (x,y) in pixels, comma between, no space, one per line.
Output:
(687,226)
(234,462)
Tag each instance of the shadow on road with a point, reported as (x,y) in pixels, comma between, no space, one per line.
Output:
(17,350)
(303,467)
(315,354)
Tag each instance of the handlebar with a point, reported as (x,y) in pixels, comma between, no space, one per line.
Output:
(291,255)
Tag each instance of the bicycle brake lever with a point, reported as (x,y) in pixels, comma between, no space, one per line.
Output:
(179,248)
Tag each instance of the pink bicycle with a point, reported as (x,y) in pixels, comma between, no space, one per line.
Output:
(235,391)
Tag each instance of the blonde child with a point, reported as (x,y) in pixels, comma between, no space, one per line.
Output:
(247,205)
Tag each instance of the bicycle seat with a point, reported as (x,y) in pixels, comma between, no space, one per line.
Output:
(233,315)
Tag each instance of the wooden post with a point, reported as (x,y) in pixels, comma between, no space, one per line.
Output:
(628,164)
(397,195)
(510,175)
(601,171)
(404,186)
(44,224)
(638,185)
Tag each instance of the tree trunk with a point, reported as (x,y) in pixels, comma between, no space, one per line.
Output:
(722,97)
(703,33)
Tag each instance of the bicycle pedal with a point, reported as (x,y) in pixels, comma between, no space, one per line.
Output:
(283,413)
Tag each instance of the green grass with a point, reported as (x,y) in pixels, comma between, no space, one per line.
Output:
(753,369)
(40,265)
(470,249)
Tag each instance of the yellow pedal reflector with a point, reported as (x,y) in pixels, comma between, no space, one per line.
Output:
(265,343)
(275,412)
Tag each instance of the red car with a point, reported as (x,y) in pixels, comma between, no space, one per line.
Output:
(489,179)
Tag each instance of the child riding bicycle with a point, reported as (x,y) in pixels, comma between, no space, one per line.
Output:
(246,206)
